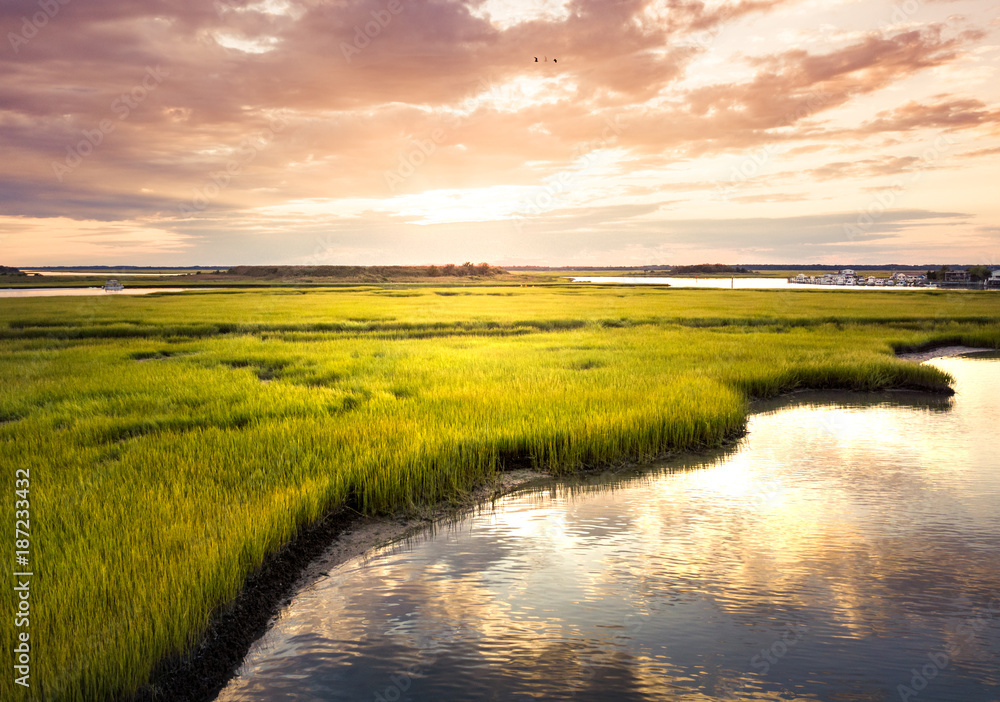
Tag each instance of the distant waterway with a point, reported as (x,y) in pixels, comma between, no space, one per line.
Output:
(735,283)
(60,292)
(105,274)
(847,549)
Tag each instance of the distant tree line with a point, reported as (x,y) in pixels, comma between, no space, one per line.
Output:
(467,269)
(7,270)
(709,268)
(976,273)
(589,268)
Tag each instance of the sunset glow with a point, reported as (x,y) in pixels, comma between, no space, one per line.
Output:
(419,131)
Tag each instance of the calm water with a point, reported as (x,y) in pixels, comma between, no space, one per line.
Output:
(739,283)
(62,292)
(103,274)
(846,548)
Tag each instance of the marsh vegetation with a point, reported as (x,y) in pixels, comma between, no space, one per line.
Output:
(176,440)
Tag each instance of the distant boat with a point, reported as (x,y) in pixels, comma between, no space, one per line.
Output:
(113,286)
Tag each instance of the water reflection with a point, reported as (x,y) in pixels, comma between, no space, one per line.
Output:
(835,551)
(78,292)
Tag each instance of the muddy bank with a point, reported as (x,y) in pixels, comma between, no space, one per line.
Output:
(200,674)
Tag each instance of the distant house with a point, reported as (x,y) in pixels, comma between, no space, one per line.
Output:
(956,276)
(113,286)
(994,280)
(848,272)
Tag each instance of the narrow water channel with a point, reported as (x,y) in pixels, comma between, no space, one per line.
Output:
(848,549)
(85,292)
(735,283)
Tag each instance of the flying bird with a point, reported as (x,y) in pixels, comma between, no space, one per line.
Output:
(546,60)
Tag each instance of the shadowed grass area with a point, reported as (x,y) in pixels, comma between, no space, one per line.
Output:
(173,442)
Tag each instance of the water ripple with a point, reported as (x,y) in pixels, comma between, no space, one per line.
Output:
(849,549)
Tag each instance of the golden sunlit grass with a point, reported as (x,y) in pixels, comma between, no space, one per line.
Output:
(174,441)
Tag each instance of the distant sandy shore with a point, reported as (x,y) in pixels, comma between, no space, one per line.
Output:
(942,352)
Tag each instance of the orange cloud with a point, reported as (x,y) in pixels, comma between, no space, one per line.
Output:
(430,96)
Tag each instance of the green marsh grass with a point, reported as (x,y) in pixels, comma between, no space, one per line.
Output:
(174,441)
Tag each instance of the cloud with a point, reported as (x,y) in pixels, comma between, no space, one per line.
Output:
(978,153)
(437,90)
(791,87)
(948,114)
(869,167)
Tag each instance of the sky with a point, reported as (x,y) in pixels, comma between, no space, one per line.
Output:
(647,132)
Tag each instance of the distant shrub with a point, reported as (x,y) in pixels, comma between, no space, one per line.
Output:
(368,273)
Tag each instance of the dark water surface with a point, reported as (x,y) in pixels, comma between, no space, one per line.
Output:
(727,283)
(848,549)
